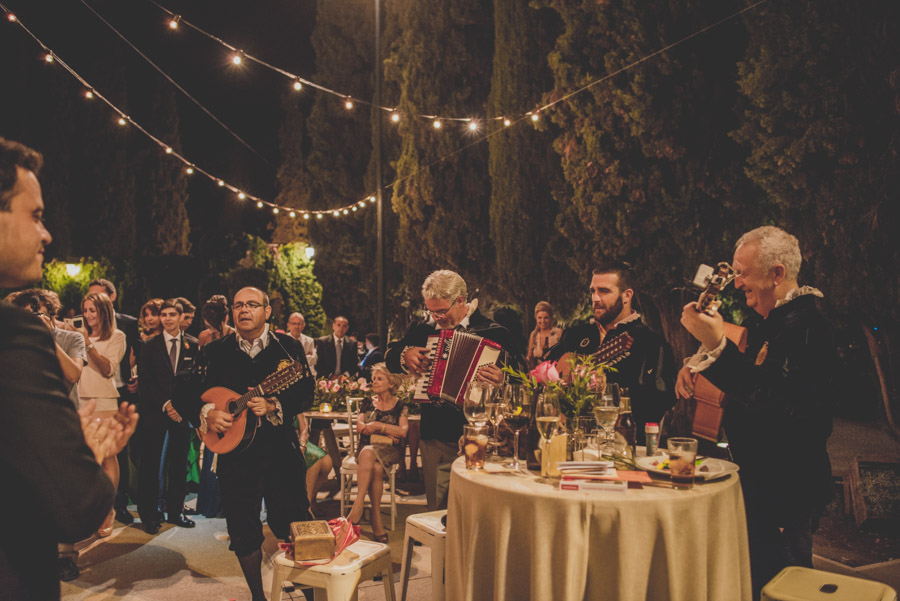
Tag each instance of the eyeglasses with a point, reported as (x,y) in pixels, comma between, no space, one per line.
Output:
(249,304)
(440,312)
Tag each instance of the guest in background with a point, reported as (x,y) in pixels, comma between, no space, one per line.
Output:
(149,318)
(373,355)
(318,462)
(382,423)
(105,347)
(127,393)
(295,326)
(215,316)
(187,317)
(337,351)
(544,335)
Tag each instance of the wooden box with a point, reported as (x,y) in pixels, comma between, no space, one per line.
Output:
(875,491)
(312,540)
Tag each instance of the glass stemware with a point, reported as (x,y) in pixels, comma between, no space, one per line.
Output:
(606,412)
(547,418)
(495,415)
(516,413)
(476,400)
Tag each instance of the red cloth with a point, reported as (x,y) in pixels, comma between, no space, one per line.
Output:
(345,534)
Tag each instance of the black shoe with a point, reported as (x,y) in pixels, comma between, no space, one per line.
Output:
(124,516)
(189,511)
(181,521)
(151,526)
(68,571)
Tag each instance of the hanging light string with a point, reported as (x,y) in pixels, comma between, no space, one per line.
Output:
(179,87)
(191,168)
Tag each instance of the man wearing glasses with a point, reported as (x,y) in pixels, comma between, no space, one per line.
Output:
(272,466)
(442,424)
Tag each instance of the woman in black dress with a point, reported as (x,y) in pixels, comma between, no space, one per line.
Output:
(381,424)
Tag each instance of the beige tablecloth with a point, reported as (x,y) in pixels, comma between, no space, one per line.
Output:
(511,537)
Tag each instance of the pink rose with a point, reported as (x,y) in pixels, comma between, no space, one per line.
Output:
(545,372)
(323,384)
(353,385)
(335,387)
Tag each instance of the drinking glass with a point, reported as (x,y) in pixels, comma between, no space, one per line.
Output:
(475,440)
(495,414)
(546,415)
(476,400)
(606,413)
(517,413)
(682,455)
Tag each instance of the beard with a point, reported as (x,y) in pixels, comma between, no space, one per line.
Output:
(611,313)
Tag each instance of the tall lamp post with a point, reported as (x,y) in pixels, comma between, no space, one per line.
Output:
(379,207)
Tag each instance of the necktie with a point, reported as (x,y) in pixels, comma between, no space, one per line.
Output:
(338,346)
(173,353)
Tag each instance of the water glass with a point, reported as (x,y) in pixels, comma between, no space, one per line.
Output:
(682,455)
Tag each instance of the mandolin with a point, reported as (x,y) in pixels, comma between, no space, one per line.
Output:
(710,405)
(243,428)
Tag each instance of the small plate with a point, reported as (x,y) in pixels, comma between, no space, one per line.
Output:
(709,468)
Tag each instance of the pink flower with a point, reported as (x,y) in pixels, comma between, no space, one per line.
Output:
(323,384)
(364,386)
(545,372)
(353,385)
(335,387)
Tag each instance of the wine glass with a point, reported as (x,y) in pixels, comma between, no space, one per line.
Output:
(495,414)
(516,413)
(546,415)
(606,413)
(475,402)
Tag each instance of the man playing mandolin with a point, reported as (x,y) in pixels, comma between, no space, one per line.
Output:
(648,372)
(268,462)
(778,399)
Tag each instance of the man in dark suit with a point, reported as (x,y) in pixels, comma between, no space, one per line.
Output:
(129,325)
(49,461)
(373,355)
(272,466)
(337,352)
(161,358)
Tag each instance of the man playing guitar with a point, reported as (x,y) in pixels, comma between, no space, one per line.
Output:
(648,371)
(272,465)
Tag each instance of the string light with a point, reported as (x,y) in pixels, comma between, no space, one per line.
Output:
(48,58)
(292,214)
(473,126)
(534,116)
(173,23)
(89,94)
(275,210)
(437,124)
(122,121)
(221,184)
(241,195)
(371,199)
(395,117)
(319,215)
(348,104)
(259,204)
(507,122)
(168,150)
(189,171)
(345,212)
(11,17)
(237,59)
(298,85)
(306,215)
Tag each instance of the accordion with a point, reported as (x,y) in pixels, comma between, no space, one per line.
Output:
(455,358)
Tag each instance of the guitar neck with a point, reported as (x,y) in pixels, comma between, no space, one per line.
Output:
(241,403)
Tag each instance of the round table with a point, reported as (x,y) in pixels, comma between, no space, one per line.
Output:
(512,537)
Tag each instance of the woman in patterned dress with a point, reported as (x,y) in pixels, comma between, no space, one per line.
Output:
(381,424)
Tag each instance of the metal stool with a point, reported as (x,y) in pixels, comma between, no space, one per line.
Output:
(338,579)
(428,530)
(794,583)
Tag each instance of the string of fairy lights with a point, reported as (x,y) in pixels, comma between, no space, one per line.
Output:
(238,57)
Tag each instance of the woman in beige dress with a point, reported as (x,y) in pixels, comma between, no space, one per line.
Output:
(544,335)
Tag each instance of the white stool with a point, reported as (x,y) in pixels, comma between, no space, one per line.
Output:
(794,583)
(428,530)
(339,579)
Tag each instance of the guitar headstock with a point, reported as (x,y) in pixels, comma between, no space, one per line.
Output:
(283,378)
(714,281)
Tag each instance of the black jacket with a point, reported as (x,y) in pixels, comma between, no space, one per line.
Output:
(445,421)
(57,491)
(648,372)
(778,414)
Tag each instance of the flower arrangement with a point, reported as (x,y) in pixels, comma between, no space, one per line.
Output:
(333,392)
(586,380)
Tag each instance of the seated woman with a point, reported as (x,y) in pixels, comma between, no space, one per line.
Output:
(544,335)
(381,425)
(318,463)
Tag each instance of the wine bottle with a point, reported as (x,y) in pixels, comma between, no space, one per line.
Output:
(626,426)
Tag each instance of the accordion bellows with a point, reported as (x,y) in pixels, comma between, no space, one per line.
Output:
(312,540)
(455,359)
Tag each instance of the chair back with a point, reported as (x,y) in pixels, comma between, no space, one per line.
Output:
(353,404)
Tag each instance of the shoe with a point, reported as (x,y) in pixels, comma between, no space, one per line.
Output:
(106,527)
(124,516)
(380,538)
(189,511)
(68,571)
(151,527)
(181,521)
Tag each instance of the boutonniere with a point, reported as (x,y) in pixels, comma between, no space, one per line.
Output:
(186,345)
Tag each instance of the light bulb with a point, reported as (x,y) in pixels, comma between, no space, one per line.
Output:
(371,199)
(473,126)
(292,214)
(306,215)
(353,208)
(168,150)
(395,118)
(346,212)
(259,204)
(88,94)
(507,122)
(241,195)
(437,124)
(221,184)
(48,58)
(275,210)
(11,17)
(173,23)
(348,104)
(122,121)
(189,171)
(534,117)
(298,86)
(236,59)
(318,215)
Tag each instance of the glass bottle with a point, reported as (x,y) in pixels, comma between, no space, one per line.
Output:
(626,426)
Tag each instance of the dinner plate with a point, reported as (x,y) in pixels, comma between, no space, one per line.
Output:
(709,468)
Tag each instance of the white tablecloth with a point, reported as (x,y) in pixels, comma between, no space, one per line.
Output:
(511,537)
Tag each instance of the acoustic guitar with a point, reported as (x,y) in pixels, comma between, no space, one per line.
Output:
(710,406)
(243,428)
(610,352)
